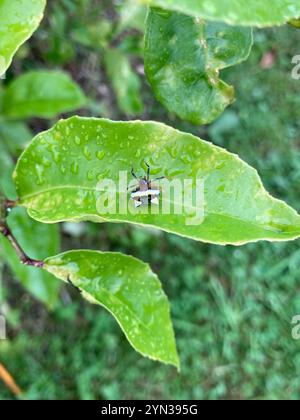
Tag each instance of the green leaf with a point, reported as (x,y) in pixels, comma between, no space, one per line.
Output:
(130,291)
(42,94)
(131,15)
(125,82)
(295,23)
(39,241)
(57,180)
(259,13)
(93,35)
(13,138)
(2,206)
(6,170)
(183,57)
(18,20)
(15,135)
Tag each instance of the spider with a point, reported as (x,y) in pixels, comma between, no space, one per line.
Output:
(143,193)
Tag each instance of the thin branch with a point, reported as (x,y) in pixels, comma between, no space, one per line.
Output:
(4,229)
(10,204)
(9,381)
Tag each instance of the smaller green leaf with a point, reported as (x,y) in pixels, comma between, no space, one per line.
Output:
(39,241)
(15,135)
(128,289)
(132,15)
(261,13)
(44,94)
(125,82)
(93,35)
(18,20)
(183,57)
(57,179)
(6,171)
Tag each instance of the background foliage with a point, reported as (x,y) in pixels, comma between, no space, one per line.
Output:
(232,307)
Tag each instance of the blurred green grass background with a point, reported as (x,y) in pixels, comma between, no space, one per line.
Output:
(232,307)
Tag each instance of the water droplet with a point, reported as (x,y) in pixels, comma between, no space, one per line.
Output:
(78,140)
(103,175)
(74,168)
(100,154)
(87,153)
(90,175)
(197,153)
(54,150)
(46,162)
(40,174)
(57,135)
(172,150)
(186,159)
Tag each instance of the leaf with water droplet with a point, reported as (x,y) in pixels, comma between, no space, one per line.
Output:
(44,94)
(132,294)
(183,57)
(260,13)
(237,208)
(18,20)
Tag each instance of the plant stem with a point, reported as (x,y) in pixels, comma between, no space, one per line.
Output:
(9,381)
(10,204)
(4,229)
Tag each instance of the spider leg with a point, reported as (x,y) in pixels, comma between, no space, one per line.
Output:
(133,174)
(134,187)
(156,179)
(148,171)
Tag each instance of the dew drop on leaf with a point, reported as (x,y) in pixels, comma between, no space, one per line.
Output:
(100,154)
(74,168)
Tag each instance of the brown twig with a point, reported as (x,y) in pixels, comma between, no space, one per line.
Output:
(4,229)
(9,381)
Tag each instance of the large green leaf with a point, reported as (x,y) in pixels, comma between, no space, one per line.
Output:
(238,12)
(18,20)
(125,82)
(57,176)
(39,241)
(128,289)
(42,94)
(183,56)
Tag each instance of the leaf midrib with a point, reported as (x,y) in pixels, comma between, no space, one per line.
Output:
(74,187)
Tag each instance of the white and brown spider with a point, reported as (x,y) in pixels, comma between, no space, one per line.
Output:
(144,193)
